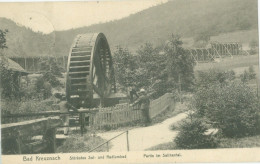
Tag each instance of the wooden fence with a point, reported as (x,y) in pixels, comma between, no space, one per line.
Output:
(123,114)
(161,104)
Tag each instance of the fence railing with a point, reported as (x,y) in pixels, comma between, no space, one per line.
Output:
(15,136)
(97,118)
(107,142)
(161,104)
(122,113)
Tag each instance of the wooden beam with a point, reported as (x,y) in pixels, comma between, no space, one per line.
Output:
(31,127)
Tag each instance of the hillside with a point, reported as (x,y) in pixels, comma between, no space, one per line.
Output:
(155,25)
(22,41)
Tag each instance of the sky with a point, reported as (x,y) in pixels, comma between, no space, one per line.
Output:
(49,16)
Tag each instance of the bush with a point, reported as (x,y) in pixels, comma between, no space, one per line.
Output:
(253,47)
(248,75)
(76,143)
(233,108)
(192,136)
(43,88)
(29,106)
(213,76)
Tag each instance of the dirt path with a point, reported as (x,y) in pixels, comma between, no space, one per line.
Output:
(144,137)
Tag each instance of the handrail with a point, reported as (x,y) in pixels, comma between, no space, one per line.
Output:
(47,113)
(110,140)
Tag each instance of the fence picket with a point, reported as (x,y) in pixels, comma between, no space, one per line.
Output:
(123,113)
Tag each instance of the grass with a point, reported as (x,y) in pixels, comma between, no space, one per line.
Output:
(76,143)
(175,109)
(229,63)
(245,142)
(243,37)
(176,126)
(164,146)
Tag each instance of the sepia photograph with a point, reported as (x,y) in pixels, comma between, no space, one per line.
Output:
(94,81)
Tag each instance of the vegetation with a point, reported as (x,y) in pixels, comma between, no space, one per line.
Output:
(26,96)
(245,142)
(7,77)
(156,72)
(125,65)
(201,40)
(226,103)
(3,39)
(232,108)
(28,106)
(253,47)
(248,75)
(75,143)
(180,65)
(164,146)
(192,135)
(206,79)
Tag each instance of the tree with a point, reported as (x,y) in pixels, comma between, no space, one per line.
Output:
(146,69)
(253,47)
(125,65)
(9,90)
(154,63)
(248,75)
(202,39)
(192,135)
(179,64)
(3,39)
(206,79)
(51,70)
(233,108)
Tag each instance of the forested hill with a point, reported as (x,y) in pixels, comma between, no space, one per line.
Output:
(185,17)
(22,41)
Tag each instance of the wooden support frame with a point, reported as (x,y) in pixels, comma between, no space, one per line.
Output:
(14,133)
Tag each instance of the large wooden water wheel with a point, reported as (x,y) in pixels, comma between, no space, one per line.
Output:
(90,70)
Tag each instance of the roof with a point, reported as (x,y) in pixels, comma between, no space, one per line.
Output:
(13,66)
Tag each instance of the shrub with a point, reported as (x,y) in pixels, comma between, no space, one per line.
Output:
(253,47)
(76,143)
(43,88)
(248,75)
(233,108)
(29,106)
(192,135)
(8,80)
(208,78)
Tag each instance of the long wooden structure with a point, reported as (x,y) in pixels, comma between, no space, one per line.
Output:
(217,50)
(17,137)
(32,63)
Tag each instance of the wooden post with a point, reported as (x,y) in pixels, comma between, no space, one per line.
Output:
(107,147)
(64,64)
(82,123)
(18,145)
(50,137)
(127,140)
(33,65)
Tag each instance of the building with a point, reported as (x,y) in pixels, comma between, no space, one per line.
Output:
(11,73)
